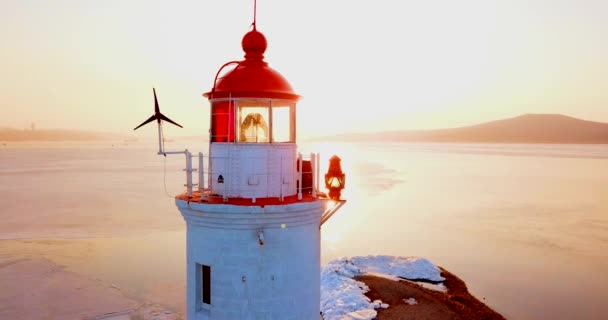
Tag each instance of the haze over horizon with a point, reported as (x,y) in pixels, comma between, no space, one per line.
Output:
(526,128)
(379,130)
(382,66)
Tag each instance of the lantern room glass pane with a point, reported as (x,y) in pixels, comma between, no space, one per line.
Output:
(283,123)
(253,121)
(222,122)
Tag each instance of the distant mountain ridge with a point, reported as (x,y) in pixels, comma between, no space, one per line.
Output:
(527,128)
(9,134)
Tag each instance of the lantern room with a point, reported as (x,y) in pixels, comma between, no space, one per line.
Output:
(252,103)
(253,127)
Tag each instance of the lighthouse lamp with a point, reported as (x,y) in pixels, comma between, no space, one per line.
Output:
(334,178)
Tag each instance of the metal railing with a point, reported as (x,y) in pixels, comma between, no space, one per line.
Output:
(205,174)
(314,173)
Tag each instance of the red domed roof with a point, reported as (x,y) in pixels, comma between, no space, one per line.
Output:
(252,77)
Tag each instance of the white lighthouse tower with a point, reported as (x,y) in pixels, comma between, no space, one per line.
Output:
(253,225)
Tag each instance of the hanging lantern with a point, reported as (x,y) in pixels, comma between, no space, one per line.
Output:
(334,178)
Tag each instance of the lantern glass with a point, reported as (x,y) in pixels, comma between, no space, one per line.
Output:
(222,121)
(342,180)
(334,182)
(253,120)
(283,122)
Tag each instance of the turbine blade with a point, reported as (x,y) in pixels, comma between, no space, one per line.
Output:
(162,117)
(156,108)
(152,118)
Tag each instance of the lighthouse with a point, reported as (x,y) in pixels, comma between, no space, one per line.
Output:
(254,217)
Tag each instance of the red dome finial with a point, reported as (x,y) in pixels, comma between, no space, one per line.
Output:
(254,44)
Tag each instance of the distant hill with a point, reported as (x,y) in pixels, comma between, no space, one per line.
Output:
(528,128)
(8,134)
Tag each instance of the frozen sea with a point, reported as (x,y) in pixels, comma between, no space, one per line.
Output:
(526,226)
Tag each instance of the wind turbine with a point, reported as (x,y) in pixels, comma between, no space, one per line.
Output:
(158,117)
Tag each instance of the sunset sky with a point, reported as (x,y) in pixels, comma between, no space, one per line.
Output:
(359,65)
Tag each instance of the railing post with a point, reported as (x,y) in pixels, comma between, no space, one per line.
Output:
(300,176)
(201,174)
(318,173)
(189,172)
(227,175)
(281,180)
(313,170)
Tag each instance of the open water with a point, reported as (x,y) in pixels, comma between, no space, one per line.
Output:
(526,226)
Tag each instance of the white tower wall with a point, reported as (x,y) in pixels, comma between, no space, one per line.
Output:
(276,279)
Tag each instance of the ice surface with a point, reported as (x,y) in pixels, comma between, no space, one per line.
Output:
(343,298)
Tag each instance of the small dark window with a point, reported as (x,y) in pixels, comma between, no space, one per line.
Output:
(220,179)
(206,283)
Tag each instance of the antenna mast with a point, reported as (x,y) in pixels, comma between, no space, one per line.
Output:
(255,11)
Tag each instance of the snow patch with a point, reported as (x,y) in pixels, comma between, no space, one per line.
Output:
(382,275)
(343,298)
(431,286)
(410,301)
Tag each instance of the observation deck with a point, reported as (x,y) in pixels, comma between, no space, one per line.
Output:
(307,188)
(206,196)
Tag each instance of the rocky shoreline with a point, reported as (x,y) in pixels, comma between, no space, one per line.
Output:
(410,300)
